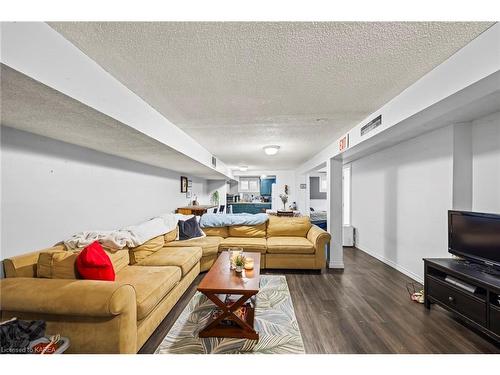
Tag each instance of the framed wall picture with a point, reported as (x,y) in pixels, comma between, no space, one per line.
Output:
(184,184)
(190,184)
(189,194)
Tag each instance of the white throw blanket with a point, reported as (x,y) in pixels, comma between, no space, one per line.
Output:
(110,239)
(131,236)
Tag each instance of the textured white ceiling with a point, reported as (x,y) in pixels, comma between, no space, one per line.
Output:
(29,105)
(236,87)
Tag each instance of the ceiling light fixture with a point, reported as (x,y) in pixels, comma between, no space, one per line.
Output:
(271,150)
(243,168)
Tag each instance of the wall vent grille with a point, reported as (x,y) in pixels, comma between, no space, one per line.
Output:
(377,121)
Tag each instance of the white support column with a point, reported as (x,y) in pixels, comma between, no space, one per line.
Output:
(335,225)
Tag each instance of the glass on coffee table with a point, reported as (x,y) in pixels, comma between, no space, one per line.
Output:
(234,252)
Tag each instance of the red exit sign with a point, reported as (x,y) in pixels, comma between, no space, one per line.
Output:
(344,143)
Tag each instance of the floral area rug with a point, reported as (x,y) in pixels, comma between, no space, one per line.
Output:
(275,322)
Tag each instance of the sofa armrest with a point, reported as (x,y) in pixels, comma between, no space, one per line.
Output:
(319,238)
(66,297)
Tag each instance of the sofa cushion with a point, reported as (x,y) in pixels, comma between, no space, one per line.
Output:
(150,283)
(62,264)
(57,265)
(216,231)
(146,249)
(119,258)
(208,244)
(246,243)
(25,265)
(289,245)
(183,257)
(172,235)
(256,231)
(288,226)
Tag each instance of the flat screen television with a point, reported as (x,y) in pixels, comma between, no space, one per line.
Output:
(475,236)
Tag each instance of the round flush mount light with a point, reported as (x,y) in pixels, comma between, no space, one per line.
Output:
(271,150)
(243,168)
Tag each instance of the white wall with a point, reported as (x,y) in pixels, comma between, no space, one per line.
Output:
(52,189)
(462,167)
(400,197)
(486,163)
(218,185)
(319,204)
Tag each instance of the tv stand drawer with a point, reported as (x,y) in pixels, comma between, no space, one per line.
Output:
(495,319)
(468,306)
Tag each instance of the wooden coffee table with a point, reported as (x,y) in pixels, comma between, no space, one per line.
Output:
(220,282)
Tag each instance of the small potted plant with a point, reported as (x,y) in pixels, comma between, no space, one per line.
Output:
(214,198)
(239,262)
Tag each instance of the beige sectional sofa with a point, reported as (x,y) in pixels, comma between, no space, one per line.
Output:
(99,316)
(284,243)
(119,316)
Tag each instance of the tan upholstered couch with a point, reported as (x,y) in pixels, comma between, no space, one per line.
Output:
(99,316)
(119,316)
(284,243)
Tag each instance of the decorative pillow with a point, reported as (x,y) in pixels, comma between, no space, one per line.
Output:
(94,264)
(146,249)
(57,265)
(183,217)
(189,229)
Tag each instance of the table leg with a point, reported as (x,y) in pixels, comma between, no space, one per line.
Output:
(214,329)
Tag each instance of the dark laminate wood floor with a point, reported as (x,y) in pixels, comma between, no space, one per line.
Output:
(363,309)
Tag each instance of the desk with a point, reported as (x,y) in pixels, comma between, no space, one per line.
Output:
(194,210)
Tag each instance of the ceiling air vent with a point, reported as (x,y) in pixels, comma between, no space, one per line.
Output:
(371,125)
(214,162)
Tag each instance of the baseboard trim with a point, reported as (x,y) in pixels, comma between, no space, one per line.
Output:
(393,264)
(337,265)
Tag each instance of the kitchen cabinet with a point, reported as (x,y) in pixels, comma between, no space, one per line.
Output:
(250,208)
(266,186)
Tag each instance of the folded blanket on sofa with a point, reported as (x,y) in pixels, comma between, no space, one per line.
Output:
(131,236)
(152,228)
(110,239)
(223,220)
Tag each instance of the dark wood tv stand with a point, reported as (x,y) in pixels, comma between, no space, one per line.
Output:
(481,309)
